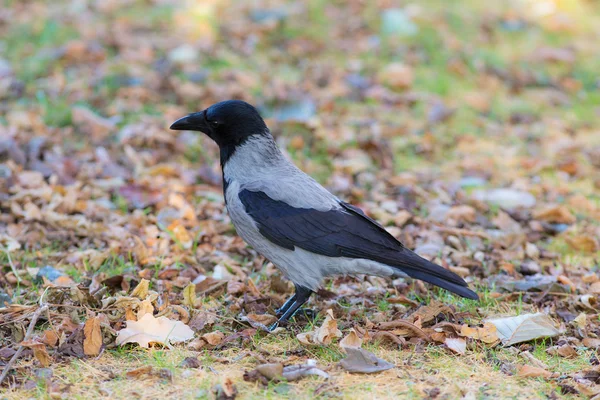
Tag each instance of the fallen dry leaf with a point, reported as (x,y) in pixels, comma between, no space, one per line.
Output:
(523,328)
(136,373)
(92,342)
(592,343)
(39,351)
(154,330)
(226,390)
(189,295)
(324,334)
(583,243)
(265,319)
(351,340)
(214,338)
(488,333)
(141,290)
(364,362)
(271,371)
(457,345)
(556,214)
(295,372)
(528,371)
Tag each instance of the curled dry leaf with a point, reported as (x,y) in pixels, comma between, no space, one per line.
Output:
(189,295)
(457,345)
(154,330)
(92,342)
(351,340)
(364,362)
(324,334)
(39,351)
(529,371)
(141,290)
(144,308)
(523,328)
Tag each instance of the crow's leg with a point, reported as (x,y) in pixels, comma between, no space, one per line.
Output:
(280,311)
(302,295)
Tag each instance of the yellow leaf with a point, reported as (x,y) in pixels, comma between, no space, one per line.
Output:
(487,334)
(145,307)
(141,290)
(189,295)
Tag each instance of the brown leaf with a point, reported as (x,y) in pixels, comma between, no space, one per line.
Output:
(556,214)
(528,371)
(583,243)
(410,329)
(462,213)
(592,343)
(214,338)
(136,373)
(351,340)
(92,342)
(190,362)
(322,335)
(39,351)
(235,287)
(265,319)
(429,312)
(225,390)
(50,337)
(271,371)
(567,351)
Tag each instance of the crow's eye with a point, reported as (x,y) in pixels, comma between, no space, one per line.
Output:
(214,124)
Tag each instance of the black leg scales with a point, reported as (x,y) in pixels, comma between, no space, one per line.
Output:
(292,306)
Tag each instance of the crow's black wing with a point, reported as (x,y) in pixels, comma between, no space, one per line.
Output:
(343,232)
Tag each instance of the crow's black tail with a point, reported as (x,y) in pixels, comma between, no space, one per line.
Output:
(417,267)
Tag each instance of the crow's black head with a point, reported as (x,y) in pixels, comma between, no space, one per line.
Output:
(229,123)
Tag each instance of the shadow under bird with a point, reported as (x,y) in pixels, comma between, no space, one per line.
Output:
(289,218)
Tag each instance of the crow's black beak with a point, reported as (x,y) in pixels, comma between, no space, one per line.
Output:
(192,122)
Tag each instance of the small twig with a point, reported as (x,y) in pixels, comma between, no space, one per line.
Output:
(16,356)
(12,266)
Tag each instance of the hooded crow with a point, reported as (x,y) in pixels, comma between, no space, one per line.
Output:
(289,218)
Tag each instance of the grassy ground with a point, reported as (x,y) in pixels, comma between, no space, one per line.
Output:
(455,98)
